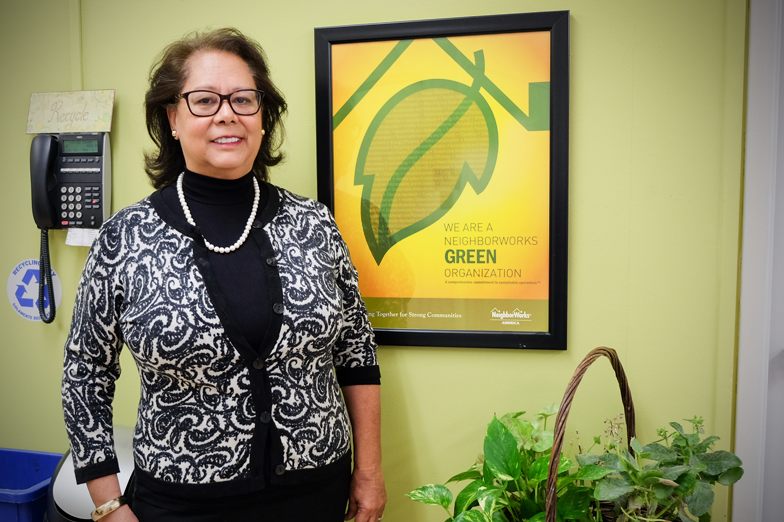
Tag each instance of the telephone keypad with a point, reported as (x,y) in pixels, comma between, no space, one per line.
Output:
(80,205)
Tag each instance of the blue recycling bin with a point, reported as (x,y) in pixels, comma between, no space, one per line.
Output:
(24,480)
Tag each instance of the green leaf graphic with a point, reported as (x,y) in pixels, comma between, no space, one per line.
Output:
(427,143)
(414,169)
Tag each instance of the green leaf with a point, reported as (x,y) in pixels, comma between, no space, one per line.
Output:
(563,481)
(548,411)
(529,508)
(660,453)
(521,429)
(466,498)
(501,453)
(651,476)
(705,445)
(653,505)
(696,464)
(650,466)
(705,518)
(701,500)
(575,503)
(611,461)
(471,516)
(673,472)
(678,428)
(636,446)
(610,488)
(538,470)
(435,494)
(731,476)
(634,502)
(471,474)
(564,464)
(719,461)
(512,415)
(487,474)
(586,459)
(686,483)
(487,497)
(499,516)
(543,440)
(592,472)
(662,491)
(627,458)
(538,517)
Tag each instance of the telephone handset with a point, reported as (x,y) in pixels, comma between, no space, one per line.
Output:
(70,180)
(43,154)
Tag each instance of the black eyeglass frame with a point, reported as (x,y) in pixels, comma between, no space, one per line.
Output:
(221,97)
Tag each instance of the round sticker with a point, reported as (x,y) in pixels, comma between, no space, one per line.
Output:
(22,289)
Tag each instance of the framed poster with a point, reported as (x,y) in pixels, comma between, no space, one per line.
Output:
(443,154)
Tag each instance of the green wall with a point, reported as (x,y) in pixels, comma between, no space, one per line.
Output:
(655,184)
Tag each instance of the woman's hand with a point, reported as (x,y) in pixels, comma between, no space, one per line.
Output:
(367,496)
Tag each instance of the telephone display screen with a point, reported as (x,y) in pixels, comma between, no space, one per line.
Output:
(80,146)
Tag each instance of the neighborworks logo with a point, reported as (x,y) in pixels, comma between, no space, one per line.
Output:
(513,317)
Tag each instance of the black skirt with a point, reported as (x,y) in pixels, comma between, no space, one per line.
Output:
(322,501)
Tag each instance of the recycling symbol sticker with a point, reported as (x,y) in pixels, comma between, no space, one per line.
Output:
(22,289)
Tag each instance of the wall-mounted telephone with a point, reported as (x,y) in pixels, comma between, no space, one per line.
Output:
(70,177)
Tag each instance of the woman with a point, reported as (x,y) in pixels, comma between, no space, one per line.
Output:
(240,305)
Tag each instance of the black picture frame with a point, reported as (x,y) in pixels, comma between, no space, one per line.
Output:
(557,23)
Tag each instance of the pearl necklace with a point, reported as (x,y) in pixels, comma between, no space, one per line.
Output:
(245,233)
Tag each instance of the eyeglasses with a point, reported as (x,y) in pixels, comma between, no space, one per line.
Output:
(246,102)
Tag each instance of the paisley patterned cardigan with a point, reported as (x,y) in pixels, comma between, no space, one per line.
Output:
(215,413)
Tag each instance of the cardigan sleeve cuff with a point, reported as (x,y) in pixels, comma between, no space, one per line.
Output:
(358,375)
(95,471)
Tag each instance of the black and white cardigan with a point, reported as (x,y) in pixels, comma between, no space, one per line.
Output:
(211,406)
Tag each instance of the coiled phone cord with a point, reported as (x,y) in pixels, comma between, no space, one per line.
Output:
(45,280)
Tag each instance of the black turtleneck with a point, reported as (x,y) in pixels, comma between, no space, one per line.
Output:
(220,209)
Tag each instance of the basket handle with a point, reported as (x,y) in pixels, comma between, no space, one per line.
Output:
(563,412)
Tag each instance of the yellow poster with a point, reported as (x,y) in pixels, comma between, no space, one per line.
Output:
(442,178)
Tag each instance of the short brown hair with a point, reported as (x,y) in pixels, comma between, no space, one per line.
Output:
(167,77)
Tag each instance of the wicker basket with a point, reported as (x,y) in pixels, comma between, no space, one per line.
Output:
(551,498)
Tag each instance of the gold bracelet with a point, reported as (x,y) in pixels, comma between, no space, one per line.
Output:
(109,507)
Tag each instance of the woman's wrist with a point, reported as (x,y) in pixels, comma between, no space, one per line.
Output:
(108,507)
(122,514)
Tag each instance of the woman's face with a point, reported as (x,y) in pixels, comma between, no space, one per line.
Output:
(224,145)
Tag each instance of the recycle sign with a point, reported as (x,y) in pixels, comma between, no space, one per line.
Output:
(22,289)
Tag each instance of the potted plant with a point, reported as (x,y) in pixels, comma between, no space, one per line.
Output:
(672,481)
(508,478)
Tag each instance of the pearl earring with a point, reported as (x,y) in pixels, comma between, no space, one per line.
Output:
(174,134)
(263,132)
